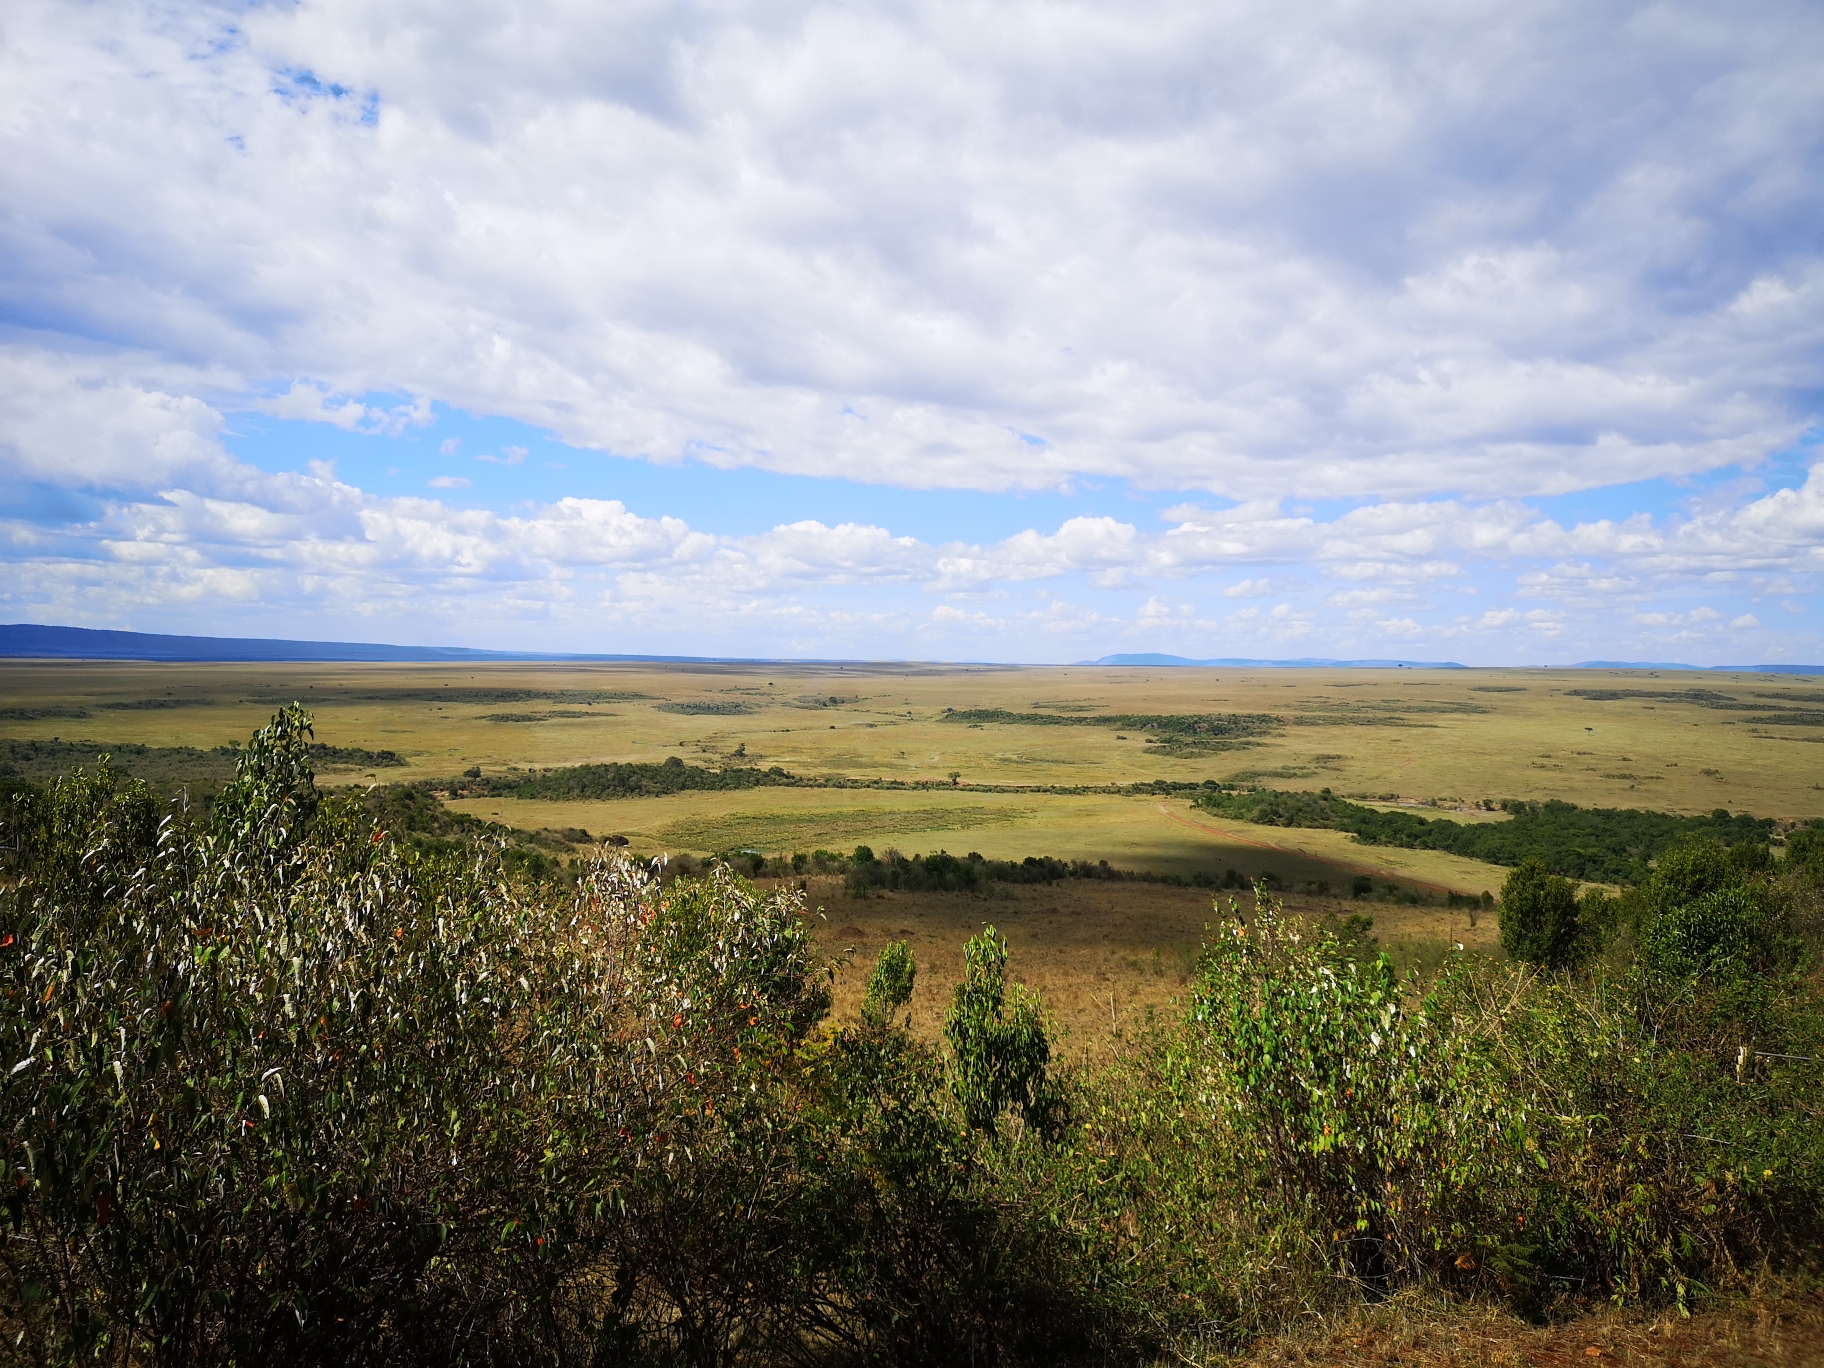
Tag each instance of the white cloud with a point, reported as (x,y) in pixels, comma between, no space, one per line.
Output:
(1387,251)
(1251,588)
(311,403)
(156,514)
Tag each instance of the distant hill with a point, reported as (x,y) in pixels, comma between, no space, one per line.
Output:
(87,643)
(1308,663)
(1714,669)
(1303,664)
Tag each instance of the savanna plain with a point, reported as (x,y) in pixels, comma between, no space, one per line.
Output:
(1118,829)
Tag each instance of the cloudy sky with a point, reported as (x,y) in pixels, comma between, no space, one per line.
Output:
(1490,332)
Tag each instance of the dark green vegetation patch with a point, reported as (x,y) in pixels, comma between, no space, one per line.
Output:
(1388,712)
(629,780)
(1606,845)
(1710,698)
(167,769)
(155,704)
(353,757)
(1169,733)
(558,714)
(708,707)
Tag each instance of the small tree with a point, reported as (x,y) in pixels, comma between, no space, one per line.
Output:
(272,799)
(890,985)
(1539,917)
(998,1039)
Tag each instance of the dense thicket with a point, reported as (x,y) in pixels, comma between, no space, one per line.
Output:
(619,780)
(1608,845)
(280,1088)
(865,872)
(1179,727)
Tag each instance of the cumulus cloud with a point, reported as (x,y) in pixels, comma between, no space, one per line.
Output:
(1389,251)
(173,520)
(1417,266)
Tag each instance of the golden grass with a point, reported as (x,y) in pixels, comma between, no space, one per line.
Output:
(1101,954)
(1399,732)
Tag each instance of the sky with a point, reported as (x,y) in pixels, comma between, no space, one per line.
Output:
(1487,332)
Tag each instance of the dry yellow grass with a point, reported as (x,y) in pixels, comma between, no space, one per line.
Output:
(1101,954)
(1401,732)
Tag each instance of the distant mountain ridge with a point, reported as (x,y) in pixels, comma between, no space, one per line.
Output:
(1312,662)
(49,642)
(91,643)
(1709,669)
(1305,663)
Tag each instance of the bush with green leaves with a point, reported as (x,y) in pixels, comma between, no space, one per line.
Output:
(1343,1092)
(279,1093)
(890,985)
(997,1040)
(1719,936)
(1541,921)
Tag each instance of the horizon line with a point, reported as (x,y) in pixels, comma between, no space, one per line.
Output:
(52,641)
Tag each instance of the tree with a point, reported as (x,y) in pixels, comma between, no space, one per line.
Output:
(1539,917)
(998,1038)
(890,986)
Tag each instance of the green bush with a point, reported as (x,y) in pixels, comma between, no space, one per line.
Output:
(997,1039)
(890,985)
(1541,922)
(1722,935)
(1343,1098)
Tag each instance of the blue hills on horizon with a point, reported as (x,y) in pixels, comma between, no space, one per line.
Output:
(51,642)
(1303,663)
(92,643)
(1312,662)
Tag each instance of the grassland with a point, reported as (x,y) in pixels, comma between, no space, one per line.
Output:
(1031,755)
(1590,737)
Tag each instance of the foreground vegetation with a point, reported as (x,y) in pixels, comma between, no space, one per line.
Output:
(282,1088)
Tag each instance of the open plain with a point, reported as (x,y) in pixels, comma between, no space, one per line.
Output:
(1043,764)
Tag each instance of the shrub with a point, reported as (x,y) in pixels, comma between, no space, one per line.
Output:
(1721,936)
(1539,917)
(997,1039)
(1339,1096)
(890,985)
